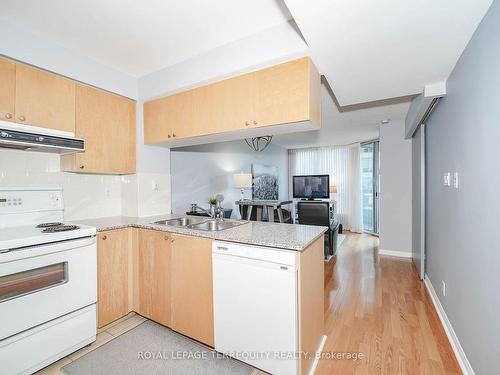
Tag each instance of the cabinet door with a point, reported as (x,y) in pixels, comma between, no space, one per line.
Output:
(107,124)
(192,292)
(281,93)
(112,276)
(154,275)
(169,118)
(7,90)
(224,106)
(44,99)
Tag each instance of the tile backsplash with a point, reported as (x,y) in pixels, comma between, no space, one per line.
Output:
(88,196)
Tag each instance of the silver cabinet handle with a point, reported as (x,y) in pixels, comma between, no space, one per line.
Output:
(169,136)
(255,122)
(22,118)
(82,166)
(172,239)
(222,248)
(8,115)
(173,135)
(247,123)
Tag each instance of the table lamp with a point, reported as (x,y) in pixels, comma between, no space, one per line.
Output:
(333,189)
(242,181)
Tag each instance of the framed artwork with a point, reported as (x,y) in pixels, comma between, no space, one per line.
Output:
(264,182)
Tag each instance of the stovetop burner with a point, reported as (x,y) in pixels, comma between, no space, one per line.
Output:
(48,225)
(60,228)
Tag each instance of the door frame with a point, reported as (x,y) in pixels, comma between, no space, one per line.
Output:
(422,202)
(420,268)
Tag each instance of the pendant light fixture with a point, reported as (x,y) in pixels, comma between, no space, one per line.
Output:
(259,143)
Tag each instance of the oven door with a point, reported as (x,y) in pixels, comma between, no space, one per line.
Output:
(41,283)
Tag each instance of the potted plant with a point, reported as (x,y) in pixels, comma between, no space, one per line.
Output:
(212,202)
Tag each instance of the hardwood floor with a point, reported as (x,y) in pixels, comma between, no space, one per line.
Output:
(378,307)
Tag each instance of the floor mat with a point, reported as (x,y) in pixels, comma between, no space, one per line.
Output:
(153,349)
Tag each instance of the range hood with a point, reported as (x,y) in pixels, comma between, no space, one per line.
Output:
(33,138)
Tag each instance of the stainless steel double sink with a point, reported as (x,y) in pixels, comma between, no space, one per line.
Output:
(201,223)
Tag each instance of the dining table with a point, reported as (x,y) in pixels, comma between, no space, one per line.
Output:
(263,205)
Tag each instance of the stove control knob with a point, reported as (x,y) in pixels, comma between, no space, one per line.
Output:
(40,139)
(4,134)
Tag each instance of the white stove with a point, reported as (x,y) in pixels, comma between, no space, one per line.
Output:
(48,280)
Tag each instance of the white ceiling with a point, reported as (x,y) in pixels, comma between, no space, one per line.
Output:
(371,50)
(342,126)
(139,37)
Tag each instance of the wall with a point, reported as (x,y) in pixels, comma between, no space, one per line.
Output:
(463,135)
(199,172)
(395,190)
(85,196)
(21,45)
(148,191)
(268,47)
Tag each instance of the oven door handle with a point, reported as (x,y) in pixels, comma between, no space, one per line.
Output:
(44,249)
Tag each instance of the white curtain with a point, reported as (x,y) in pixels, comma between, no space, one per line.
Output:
(342,163)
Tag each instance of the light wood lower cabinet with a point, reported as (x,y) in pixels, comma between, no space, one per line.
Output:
(153,275)
(192,288)
(113,275)
(163,276)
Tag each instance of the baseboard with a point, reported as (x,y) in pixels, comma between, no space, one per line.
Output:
(394,253)
(448,328)
(312,369)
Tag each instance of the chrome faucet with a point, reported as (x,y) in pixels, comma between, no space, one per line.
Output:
(217,213)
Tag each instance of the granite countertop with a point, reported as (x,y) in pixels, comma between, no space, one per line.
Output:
(282,236)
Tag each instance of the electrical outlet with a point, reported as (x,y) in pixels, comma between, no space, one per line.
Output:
(455,180)
(443,288)
(447,179)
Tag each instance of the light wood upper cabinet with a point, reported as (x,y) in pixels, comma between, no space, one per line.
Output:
(113,275)
(169,117)
(44,99)
(153,275)
(223,106)
(192,288)
(107,124)
(285,94)
(7,90)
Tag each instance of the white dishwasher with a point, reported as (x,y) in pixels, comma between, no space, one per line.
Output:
(255,306)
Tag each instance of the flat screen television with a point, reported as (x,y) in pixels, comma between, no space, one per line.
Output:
(311,186)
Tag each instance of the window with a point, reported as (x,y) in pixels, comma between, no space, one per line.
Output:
(30,281)
(369,185)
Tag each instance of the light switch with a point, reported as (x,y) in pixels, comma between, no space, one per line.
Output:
(455,180)
(447,179)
